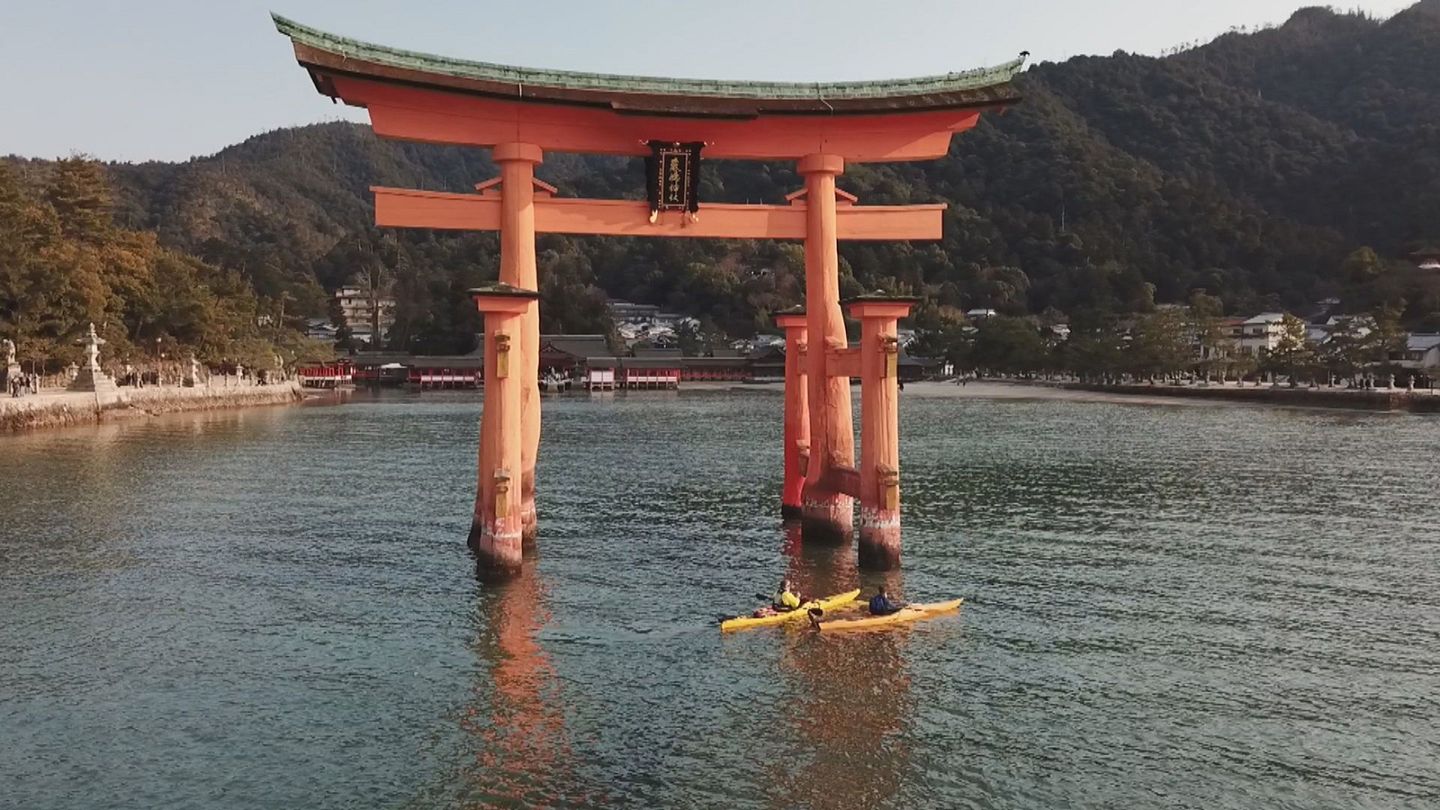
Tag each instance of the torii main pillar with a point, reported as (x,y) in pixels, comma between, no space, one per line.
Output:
(496,531)
(879,541)
(797,412)
(827,512)
(517,163)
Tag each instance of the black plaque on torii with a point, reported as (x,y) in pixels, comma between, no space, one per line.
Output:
(672,177)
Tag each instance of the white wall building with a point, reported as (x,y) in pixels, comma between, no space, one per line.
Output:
(1261,333)
(632,313)
(356,311)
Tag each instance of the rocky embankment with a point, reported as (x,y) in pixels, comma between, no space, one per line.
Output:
(61,408)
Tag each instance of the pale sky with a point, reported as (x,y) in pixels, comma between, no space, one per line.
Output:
(169,79)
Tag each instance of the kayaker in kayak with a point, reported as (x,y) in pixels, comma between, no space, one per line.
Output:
(785,598)
(882,605)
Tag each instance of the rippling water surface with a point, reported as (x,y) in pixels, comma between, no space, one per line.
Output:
(1168,607)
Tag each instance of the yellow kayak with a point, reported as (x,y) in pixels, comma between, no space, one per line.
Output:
(827,603)
(910,613)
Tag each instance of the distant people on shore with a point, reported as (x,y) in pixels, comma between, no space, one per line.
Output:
(23,384)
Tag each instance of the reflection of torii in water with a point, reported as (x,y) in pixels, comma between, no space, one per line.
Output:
(847,700)
(522,750)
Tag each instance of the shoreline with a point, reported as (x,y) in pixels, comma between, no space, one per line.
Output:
(1374,400)
(52,409)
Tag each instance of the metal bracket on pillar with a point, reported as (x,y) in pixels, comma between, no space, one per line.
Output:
(502,355)
(890,347)
(889,480)
(502,493)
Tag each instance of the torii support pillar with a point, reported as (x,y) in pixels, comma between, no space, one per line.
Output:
(879,428)
(828,513)
(517,163)
(495,534)
(797,414)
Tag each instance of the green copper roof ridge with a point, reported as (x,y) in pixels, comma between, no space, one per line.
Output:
(975,79)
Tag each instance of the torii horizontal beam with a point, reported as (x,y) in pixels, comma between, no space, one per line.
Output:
(429,116)
(407,208)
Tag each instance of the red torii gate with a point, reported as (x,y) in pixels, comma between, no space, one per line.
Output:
(521,113)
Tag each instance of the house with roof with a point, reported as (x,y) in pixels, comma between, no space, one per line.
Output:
(1233,327)
(627,312)
(1422,352)
(913,368)
(1262,333)
(1355,326)
(321,329)
(567,355)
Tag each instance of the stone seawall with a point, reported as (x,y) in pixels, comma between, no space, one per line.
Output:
(61,408)
(1368,400)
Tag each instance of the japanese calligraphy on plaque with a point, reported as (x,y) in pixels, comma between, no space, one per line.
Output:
(673,177)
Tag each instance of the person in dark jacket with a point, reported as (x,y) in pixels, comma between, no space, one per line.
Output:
(882,605)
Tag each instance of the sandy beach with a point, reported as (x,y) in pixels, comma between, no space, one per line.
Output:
(1036,391)
(971,390)
(1171,396)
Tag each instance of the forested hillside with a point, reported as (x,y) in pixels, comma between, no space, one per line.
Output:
(1249,168)
(64,264)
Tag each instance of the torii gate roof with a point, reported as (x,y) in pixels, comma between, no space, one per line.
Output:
(418,96)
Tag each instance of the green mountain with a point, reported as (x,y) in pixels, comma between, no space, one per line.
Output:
(1249,167)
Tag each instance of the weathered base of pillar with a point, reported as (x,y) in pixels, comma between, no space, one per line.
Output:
(498,554)
(529,525)
(790,511)
(879,539)
(827,518)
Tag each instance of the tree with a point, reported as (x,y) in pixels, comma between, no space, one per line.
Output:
(1387,340)
(1095,354)
(1292,353)
(1362,266)
(1344,352)
(1213,344)
(64,264)
(1161,346)
(80,194)
(1009,345)
(942,332)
